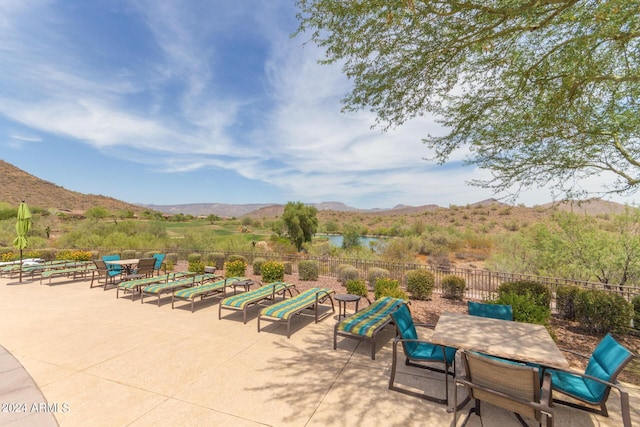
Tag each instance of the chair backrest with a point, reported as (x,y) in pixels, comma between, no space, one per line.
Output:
(146,266)
(512,379)
(159,258)
(494,311)
(405,327)
(607,361)
(101,267)
(113,269)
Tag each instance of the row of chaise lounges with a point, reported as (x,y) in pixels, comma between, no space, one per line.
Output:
(363,325)
(186,286)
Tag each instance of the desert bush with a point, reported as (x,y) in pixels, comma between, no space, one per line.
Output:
(257,264)
(235,268)
(235,257)
(420,283)
(171,258)
(272,271)
(540,292)
(600,312)
(195,262)
(74,255)
(636,311)
(349,273)
(217,259)
(308,270)
(288,267)
(339,271)
(565,301)
(389,288)
(357,287)
(140,254)
(376,273)
(50,254)
(526,307)
(453,286)
(128,254)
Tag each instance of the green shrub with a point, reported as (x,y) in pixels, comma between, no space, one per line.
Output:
(375,273)
(389,288)
(148,254)
(349,273)
(288,267)
(72,255)
(636,311)
(257,264)
(541,293)
(171,258)
(50,254)
(453,287)
(272,271)
(357,287)
(195,263)
(420,283)
(308,270)
(140,254)
(128,254)
(236,258)
(217,259)
(565,301)
(339,271)
(600,312)
(235,268)
(526,307)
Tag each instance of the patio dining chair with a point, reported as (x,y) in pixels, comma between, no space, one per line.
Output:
(418,352)
(103,272)
(494,311)
(508,385)
(159,263)
(593,387)
(115,269)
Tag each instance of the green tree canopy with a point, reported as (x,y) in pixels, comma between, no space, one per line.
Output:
(301,222)
(541,93)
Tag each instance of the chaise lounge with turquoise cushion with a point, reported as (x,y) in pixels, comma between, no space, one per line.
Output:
(285,310)
(170,287)
(241,302)
(134,286)
(365,324)
(203,291)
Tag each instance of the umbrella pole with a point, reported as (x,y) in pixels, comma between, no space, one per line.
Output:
(20,280)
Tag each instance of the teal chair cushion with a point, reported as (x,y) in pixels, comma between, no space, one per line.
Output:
(159,260)
(114,270)
(418,350)
(494,311)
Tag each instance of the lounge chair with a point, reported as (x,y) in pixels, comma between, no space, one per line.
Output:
(494,311)
(170,287)
(133,286)
(508,385)
(203,291)
(594,385)
(241,302)
(418,352)
(81,269)
(285,310)
(365,324)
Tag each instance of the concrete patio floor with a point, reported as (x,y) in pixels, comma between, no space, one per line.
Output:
(99,360)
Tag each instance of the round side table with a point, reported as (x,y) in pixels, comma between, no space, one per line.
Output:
(343,299)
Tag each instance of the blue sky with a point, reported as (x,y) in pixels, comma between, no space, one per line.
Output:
(170,102)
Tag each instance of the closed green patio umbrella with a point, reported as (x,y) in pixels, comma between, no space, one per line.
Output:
(22,228)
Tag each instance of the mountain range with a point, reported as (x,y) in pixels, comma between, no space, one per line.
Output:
(17,185)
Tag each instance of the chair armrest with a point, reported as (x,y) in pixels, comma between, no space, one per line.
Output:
(546,393)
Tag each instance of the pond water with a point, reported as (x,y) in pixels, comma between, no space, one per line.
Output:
(336,240)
